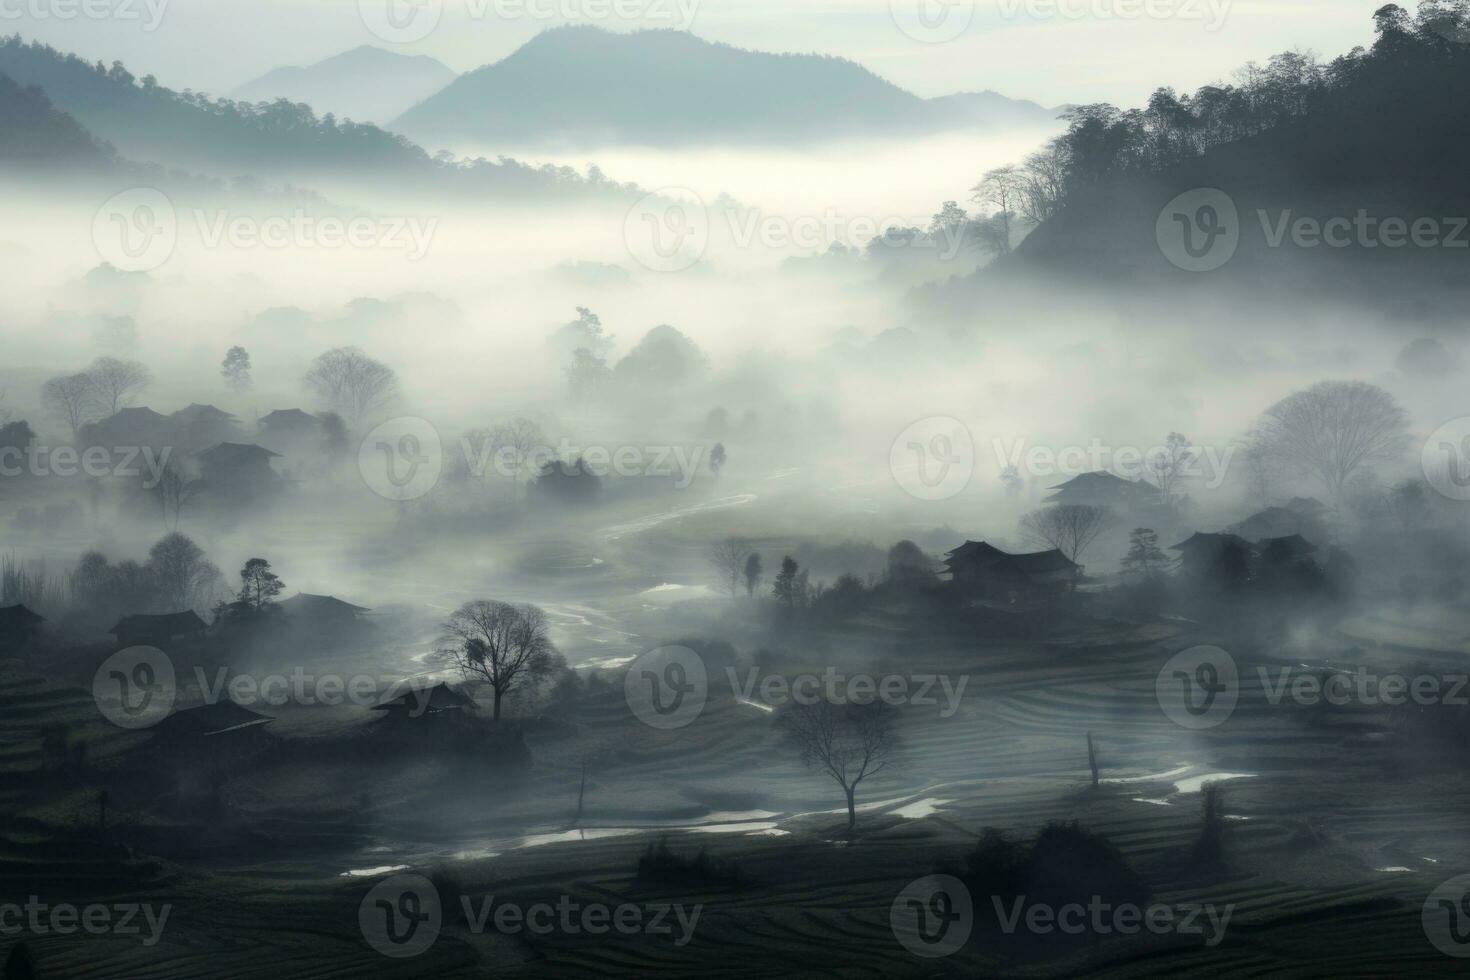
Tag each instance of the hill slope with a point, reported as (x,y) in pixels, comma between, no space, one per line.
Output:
(1308,181)
(365,84)
(583,86)
(36,135)
(279,141)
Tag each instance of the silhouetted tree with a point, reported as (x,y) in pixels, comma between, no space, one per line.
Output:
(849,742)
(1333,430)
(114,382)
(236,369)
(729,556)
(506,646)
(185,577)
(1070,528)
(351,383)
(752,574)
(70,399)
(1144,558)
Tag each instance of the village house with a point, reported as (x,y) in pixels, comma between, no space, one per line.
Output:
(424,703)
(984,571)
(157,630)
(237,471)
(321,615)
(202,425)
(19,628)
(1102,489)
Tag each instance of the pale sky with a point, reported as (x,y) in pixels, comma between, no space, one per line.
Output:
(1051,51)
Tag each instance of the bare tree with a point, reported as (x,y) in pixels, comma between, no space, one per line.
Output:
(174,491)
(518,440)
(728,556)
(1170,464)
(1001,190)
(185,577)
(1333,430)
(507,646)
(1069,528)
(70,400)
(352,383)
(848,742)
(115,382)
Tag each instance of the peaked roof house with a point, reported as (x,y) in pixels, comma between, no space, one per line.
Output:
(288,428)
(321,613)
(1269,523)
(212,719)
(157,629)
(140,426)
(306,604)
(982,568)
(425,702)
(237,470)
(212,738)
(1103,489)
(203,425)
(18,626)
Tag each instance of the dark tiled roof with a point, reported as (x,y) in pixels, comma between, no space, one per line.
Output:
(165,624)
(18,615)
(305,602)
(211,719)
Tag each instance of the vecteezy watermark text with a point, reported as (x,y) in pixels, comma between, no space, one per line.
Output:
(402,917)
(403,459)
(407,21)
(1201,229)
(1207,463)
(93,461)
(138,230)
(40,918)
(149,13)
(838,687)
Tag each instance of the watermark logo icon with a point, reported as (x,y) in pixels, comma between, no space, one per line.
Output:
(135,687)
(667,687)
(400,21)
(1445,459)
(933,916)
(1446,917)
(401,916)
(136,230)
(934,458)
(401,459)
(668,230)
(1198,688)
(932,21)
(1199,230)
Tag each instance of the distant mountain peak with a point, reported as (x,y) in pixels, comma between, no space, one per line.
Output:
(582,86)
(366,83)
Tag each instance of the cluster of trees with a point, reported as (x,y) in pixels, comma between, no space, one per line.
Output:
(106,385)
(664,356)
(1413,63)
(740,568)
(177,575)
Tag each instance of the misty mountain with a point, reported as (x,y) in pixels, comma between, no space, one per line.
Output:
(365,84)
(583,86)
(35,134)
(1318,162)
(280,140)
